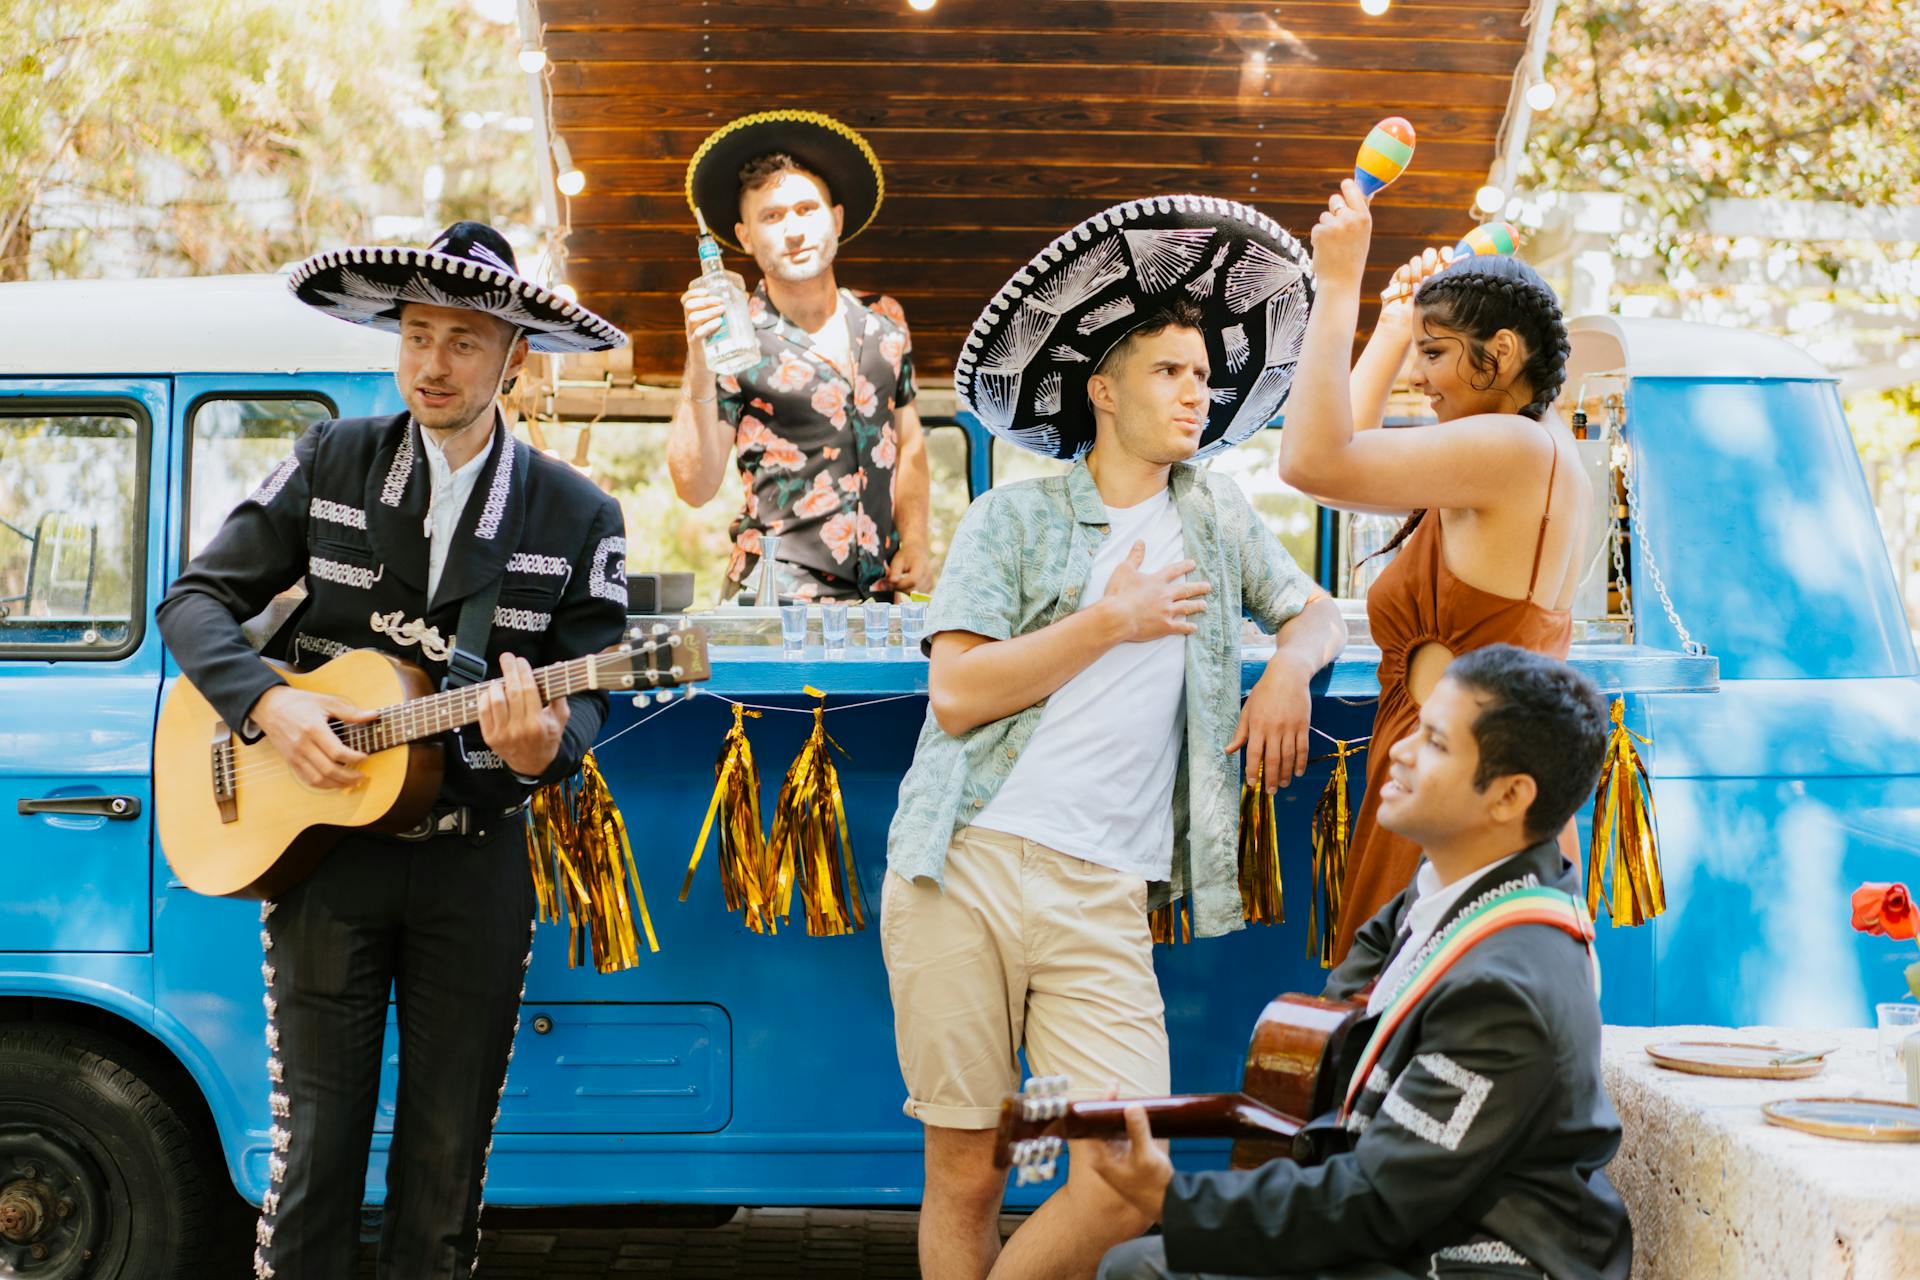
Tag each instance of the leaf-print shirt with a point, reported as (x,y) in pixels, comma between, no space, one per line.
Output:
(816,450)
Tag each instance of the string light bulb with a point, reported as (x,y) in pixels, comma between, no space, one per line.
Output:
(921,6)
(567,291)
(1374,8)
(571,180)
(1489,198)
(1541,95)
(533,59)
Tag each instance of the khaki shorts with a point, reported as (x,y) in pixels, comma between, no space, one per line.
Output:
(1026,947)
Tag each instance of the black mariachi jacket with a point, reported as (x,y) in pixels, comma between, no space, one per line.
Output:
(346,510)
(1478,1143)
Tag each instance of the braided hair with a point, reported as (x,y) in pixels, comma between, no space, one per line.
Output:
(1477,297)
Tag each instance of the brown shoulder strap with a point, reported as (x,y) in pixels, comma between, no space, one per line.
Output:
(1540,542)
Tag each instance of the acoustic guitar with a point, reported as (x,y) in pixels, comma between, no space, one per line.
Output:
(235,822)
(1287,1081)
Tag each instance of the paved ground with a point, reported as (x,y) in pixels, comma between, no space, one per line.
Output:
(819,1244)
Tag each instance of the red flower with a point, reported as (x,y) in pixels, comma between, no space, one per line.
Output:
(1885,910)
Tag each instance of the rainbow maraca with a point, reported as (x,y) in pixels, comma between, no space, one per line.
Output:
(1492,237)
(1384,156)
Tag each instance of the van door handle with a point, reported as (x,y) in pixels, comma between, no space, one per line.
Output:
(86,806)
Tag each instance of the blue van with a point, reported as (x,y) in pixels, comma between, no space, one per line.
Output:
(733,1068)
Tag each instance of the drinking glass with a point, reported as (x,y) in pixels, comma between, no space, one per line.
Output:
(913,623)
(1897,1019)
(793,626)
(833,626)
(873,621)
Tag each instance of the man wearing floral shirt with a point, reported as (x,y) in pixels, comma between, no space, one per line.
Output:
(823,427)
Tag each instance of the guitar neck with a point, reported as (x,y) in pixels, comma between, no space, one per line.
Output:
(456,708)
(1193,1115)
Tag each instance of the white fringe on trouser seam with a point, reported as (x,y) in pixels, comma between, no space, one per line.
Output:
(500,1098)
(280,1136)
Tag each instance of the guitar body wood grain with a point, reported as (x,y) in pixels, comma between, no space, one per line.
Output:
(283,827)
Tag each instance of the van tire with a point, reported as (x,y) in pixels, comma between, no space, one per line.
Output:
(101,1174)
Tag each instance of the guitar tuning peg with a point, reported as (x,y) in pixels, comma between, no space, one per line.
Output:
(674,640)
(663,697)
(678,672)
(660,628)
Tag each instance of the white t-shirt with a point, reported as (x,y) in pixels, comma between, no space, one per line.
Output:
(1096,778)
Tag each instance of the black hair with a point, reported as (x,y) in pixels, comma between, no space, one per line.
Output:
(1541,718)
(1175,313)
(762,169)
(1477,297)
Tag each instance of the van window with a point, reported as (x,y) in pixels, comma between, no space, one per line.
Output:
(71,515)
(236,442)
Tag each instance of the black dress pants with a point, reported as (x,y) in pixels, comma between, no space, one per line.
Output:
(446,926)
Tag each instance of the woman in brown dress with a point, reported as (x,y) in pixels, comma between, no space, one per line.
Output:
(1499,503)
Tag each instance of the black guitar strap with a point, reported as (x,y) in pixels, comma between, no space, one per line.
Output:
(467,663)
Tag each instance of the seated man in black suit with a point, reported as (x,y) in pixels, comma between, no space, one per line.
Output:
(1475,1129)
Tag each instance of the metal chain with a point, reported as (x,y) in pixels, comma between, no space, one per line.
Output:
(1692,647)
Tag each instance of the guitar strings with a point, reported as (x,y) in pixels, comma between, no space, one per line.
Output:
(418,723)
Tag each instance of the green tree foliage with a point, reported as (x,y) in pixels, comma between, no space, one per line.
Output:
(161,136)
(1674,102)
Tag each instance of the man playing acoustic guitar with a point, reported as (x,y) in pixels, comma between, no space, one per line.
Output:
(1474,1129)
(436,537)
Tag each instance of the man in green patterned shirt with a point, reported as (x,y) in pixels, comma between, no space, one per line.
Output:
(1077,760)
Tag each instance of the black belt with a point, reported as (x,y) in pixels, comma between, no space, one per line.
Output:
(456,820)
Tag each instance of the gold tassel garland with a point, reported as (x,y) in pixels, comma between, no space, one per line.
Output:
(580,858)
(1260,897)
(1332,833)
(751,881)
(1623,833)
(1172,923)
(810,836)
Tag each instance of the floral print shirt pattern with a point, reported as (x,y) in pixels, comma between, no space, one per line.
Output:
(816,451)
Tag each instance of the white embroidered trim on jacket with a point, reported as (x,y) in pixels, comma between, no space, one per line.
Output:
(521,619)
(276,480)
(600,582)
(400,471)
(347,575)
(496,507)
(528,562)
(1473,1088)
(337,513)
(1482,1251)
(315,644)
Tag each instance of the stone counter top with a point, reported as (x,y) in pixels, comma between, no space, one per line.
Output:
(1716,1191)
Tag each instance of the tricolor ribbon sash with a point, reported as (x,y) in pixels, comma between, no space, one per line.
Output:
(1528,904)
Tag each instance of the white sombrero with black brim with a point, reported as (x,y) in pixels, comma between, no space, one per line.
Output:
(470,266)
(1023,370)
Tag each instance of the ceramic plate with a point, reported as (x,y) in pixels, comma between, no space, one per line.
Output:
(1722,1058)
(1861,1119)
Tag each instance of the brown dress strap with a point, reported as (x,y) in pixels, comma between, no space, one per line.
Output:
(1540,543)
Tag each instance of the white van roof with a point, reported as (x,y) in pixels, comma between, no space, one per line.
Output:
(202,324)
(1683,349)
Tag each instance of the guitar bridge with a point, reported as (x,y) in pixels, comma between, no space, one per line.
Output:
(225,782)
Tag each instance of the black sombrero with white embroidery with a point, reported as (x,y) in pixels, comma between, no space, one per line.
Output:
(470,266)
(1023,370)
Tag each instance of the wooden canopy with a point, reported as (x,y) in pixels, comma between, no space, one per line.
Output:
(1000,123)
